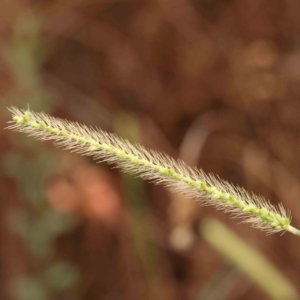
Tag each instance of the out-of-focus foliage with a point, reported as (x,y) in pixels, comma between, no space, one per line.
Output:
(35,221)
(213,82)
(248,260)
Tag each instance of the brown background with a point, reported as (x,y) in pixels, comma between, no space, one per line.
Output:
(213,82)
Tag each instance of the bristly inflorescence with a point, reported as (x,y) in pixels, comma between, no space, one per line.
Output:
(154,166)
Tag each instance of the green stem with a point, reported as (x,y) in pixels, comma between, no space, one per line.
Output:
(293,230)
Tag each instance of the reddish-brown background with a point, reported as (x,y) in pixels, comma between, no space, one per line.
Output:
(213,82)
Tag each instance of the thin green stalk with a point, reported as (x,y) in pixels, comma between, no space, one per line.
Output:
(248,260)
(293,230)
(154,166)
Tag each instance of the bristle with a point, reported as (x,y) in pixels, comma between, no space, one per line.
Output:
(154,166)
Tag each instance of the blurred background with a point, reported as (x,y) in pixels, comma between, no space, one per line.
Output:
(215,83)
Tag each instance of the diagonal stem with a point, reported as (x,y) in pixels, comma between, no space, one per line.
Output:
(293,230)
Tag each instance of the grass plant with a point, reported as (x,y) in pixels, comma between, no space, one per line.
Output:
(154,166)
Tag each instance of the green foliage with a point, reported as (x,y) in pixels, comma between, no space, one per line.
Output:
(33,220)
(61,276)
